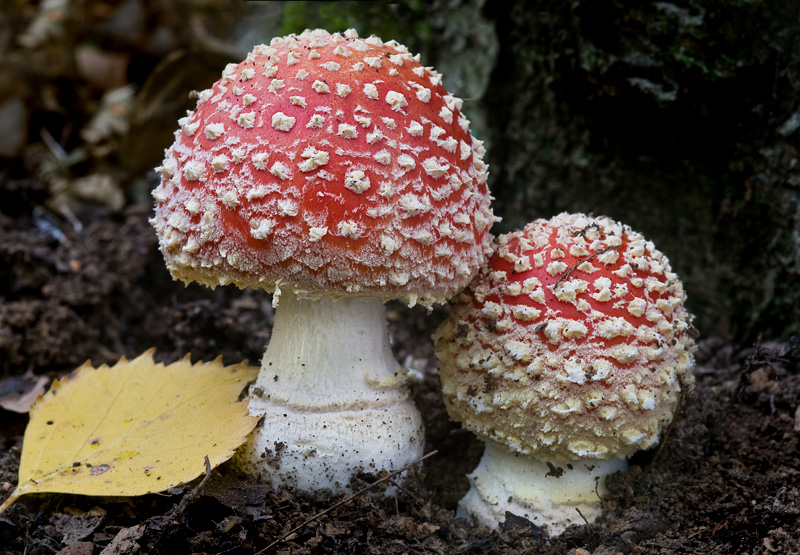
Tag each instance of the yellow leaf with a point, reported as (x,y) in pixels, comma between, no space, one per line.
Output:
(137,427)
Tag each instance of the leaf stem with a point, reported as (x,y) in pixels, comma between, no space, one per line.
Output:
(10,500)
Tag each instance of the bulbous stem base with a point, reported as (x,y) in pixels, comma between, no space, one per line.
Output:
(331,397)
(549,494)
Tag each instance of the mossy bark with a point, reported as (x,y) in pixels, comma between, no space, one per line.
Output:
(679,119)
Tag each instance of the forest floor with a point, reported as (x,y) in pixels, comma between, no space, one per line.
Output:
(724,480)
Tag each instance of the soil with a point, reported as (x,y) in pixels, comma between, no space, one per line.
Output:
(724,480)
(81,278)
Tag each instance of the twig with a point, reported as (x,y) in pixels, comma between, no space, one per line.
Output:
(581,261)
(408,493)
(666,435)
(759,358)
(346,500)
(191,495)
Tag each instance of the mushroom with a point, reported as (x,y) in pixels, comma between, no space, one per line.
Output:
(338,173)
(567,354)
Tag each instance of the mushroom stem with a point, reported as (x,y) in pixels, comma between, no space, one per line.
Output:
(332,398)
(546,493)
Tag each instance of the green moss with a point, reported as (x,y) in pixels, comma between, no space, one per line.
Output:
(450,35)
(406,23)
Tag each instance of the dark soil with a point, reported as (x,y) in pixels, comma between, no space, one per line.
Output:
(725,480)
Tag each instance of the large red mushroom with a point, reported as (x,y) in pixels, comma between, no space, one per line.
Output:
(567,354)
(336,172)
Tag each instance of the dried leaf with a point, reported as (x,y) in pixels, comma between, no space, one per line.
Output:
(124,543)
(17,393)
(135,428)
(75,527)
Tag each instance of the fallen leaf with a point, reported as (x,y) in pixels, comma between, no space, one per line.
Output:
(75,527)
(124,543)
(246,498)
(78,548)
(17,393)
(797,419)
(137,427)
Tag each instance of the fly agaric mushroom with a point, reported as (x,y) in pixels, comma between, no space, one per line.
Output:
(566,355)
(336,172)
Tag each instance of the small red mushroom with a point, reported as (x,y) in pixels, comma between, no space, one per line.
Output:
(567,354)
(336,172)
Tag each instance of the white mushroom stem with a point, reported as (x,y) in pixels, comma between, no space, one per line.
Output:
(547,494)
(332,398)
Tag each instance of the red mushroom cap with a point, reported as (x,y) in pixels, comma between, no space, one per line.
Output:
(573,342)
(330,164)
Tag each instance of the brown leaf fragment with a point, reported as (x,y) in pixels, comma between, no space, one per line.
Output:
(124,543)
(18,393)
(74,528)
(78,548)
(426,529)
(797,419)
